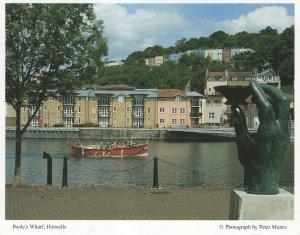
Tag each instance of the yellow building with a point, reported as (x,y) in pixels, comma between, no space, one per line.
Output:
(118,108)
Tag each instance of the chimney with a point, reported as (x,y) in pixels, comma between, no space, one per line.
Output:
(188,87)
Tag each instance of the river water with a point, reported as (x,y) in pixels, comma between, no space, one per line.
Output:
(180,164)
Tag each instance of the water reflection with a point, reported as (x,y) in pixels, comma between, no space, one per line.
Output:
(180,164)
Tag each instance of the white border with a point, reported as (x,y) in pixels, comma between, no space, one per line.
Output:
(149,227)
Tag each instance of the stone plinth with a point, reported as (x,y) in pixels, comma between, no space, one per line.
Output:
(245,206)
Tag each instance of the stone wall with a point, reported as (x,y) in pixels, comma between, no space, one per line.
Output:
(121,133)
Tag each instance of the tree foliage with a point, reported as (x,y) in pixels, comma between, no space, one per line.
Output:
(269,50)
(50,50)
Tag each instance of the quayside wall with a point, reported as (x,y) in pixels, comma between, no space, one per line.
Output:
(113,133)
(88,133)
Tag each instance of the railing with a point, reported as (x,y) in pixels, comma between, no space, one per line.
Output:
(155,161)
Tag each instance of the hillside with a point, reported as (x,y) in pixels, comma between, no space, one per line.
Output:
(270,50)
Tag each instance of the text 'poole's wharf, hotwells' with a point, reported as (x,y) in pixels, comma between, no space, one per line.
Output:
(38,227)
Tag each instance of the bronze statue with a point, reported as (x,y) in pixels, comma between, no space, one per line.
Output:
(261,154)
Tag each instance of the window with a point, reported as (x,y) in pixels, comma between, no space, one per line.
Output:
(178,98)
(148,121)
(182,110)
(69,99)
(138,100)
(79,98)
(127,120)
(162,100)
(174,121)
(121,98)
(138,112)
(68,121)
(79,109)
(79,121)
(161,110)
(45,108)
(149,110)
(127,109)
(24,109)
(31,109)
(51,98)
(58,108)
(211,115)
(68,110)
(174,110)
(103,111)
(161,121)
(103,122)
(182,121)
(94,99)
(104,100)
(114,109)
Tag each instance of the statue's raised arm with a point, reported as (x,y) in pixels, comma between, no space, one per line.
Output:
(262,154)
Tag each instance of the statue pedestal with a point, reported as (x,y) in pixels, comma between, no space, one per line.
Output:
(246,206)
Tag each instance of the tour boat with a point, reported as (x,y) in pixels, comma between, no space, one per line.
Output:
(110,150)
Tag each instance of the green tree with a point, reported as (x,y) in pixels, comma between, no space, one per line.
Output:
(283,56)
(50,49)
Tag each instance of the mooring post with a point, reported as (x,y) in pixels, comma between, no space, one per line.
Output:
(65,173)
(49,167)
(155,174)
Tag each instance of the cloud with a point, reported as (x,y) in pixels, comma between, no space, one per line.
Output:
(275,16)
(130,31)
(136,31)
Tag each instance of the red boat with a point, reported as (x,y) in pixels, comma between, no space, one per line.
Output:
(109,150)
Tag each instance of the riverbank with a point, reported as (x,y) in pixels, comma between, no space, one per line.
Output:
(208,134)
(98,203)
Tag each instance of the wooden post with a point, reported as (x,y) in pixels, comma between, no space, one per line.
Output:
(155,174)
(65,173)
(49,167)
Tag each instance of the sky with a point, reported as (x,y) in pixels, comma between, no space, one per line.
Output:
(134,27)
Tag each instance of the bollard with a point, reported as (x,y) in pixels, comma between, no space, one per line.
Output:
(155,174)
(65,173)
(49,167)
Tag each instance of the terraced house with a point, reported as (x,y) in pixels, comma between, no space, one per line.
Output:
(120,107)
(215,110)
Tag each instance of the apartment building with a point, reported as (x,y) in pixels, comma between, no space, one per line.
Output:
(156,61)
(224,55)
(122,107)
(215,110)
(178,108)
(214,106)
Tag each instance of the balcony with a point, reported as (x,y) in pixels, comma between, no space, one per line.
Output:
(195,104)
(103,104)
(195,115)
(69,114)
(137,103)
(103,115)
(138,115)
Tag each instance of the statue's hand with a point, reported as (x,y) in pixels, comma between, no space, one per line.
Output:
(261,154)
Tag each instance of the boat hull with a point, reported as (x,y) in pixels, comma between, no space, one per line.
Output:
(81,151)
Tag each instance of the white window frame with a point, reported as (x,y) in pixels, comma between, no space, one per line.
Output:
(211,115)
